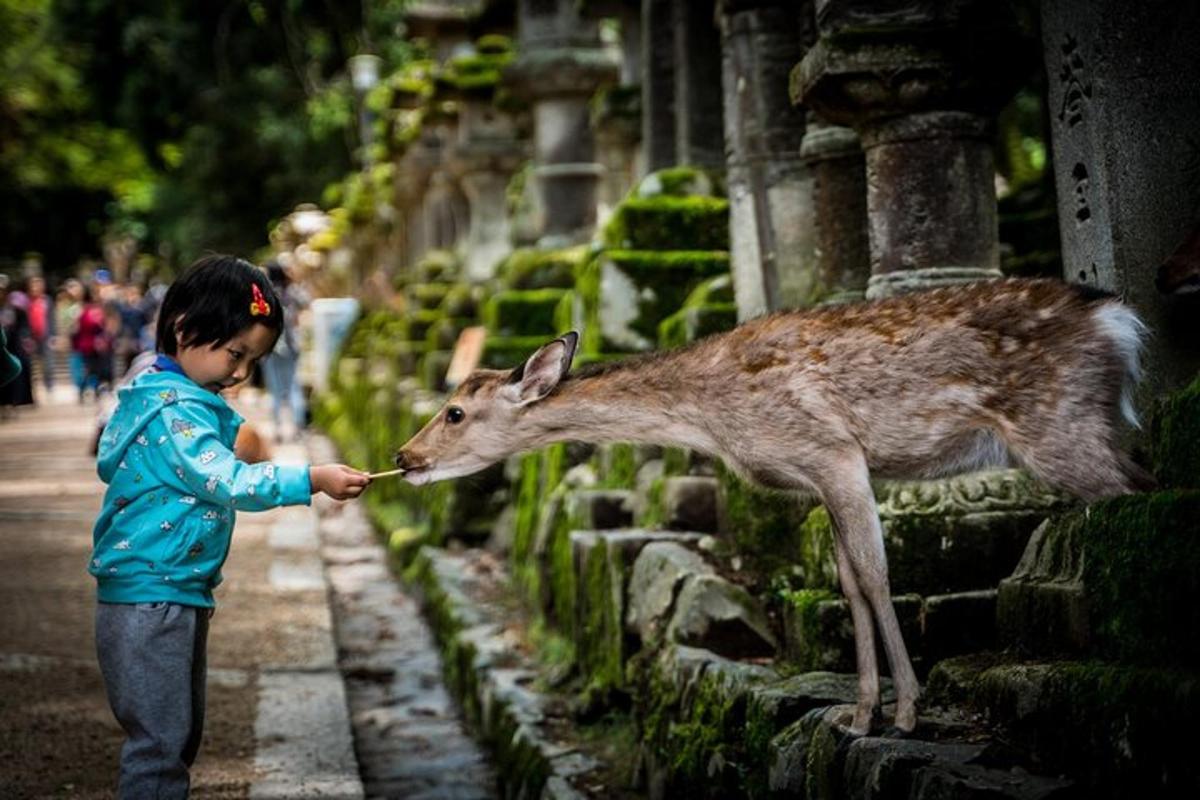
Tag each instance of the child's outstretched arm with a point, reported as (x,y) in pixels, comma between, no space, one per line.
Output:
(211,471)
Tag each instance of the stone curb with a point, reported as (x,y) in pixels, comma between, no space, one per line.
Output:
(491,679)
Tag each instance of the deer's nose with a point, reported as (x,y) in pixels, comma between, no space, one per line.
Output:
(402,459)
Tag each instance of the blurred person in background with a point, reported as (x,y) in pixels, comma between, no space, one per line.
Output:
(67,308)
(279,369)
(92,340)
(131,322)
(41,324)
(14,321)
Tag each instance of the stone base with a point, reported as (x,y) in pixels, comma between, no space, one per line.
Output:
(1121,730)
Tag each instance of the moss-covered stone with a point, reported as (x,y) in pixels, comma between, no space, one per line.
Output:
(669,223)
(1175,439)
(427,296)
(693,711)
(534,268)
(527,312)
(681,181)
(765,525)
(1121,731)
(627,294)
(462,302)
(506,352)
(1137,561)
(695,322)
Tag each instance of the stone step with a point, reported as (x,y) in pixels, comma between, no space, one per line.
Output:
(495,679)
(1121,731)
(1119,580)
(819,634)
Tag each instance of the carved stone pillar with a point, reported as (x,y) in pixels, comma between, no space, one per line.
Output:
(1124,115)
(485,158)
(559,66)
(699,139)
(835,158)
(770,187)
(617,114)
(920,84)
(658,84)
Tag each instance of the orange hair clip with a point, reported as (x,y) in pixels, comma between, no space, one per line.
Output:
(258,306)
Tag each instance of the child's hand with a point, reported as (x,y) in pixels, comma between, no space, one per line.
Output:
(338,481)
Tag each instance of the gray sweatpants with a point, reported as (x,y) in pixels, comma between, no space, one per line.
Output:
(152,656)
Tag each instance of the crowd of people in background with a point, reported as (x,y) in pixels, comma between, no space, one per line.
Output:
(99,327)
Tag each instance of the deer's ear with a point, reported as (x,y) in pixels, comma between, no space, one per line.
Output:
(538,376)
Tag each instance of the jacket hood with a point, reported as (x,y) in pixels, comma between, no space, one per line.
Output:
(139,402)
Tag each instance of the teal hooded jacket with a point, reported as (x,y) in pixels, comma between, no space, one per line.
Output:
(174,486)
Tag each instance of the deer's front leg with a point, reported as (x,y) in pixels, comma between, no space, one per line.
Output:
(851,504)
(867,707)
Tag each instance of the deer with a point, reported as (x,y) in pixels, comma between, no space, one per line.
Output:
(1035,373)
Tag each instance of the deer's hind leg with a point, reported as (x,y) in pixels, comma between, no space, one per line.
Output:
(867,708)
(846,490)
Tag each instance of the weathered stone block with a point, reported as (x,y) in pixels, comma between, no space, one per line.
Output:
(717,615)
(603,562)
(658,573)
(1119,580)
(953,624)
(690,503)
(600,509)
(819,633)
(1175,439)
(1119,731)
(533,268)
(528,312)
(426,296)
(885,768)
(692,714)
(626,294)
(695,322)
(669,223)
(766,526)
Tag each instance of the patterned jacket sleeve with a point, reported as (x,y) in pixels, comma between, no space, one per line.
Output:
(212,472)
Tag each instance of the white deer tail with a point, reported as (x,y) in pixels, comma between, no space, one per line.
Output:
(1128,336)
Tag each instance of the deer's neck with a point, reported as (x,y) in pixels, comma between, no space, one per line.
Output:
(640,402)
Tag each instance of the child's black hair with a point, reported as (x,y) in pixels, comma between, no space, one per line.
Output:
(211,303)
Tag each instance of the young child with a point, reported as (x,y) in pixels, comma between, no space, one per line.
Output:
(164,531)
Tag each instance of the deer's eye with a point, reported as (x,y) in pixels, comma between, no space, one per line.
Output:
(455,415)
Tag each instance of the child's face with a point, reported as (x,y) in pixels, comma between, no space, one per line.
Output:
(218,367)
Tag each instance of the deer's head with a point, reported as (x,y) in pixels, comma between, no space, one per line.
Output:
(481,422)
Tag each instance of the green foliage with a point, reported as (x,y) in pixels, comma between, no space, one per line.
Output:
(188,131)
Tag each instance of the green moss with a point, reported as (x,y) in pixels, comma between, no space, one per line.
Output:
(663,281)
(1175,438)
(813,646)
(764,525)
(695,322)
(1115,728)
(1141,573)
(427,296)
(534,268)
(682,181)
(461,303)
(527,312)
(617,465)
(669,223)
(493,44)
(506,352)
